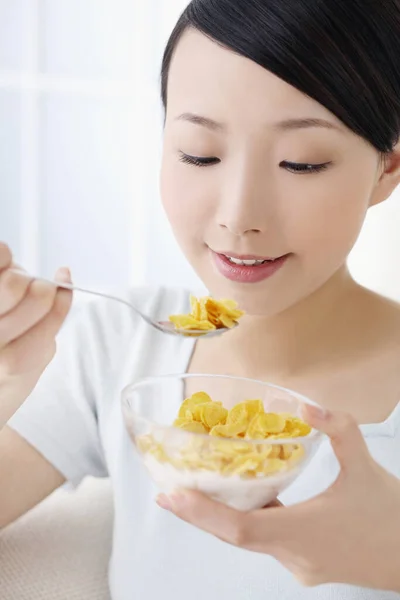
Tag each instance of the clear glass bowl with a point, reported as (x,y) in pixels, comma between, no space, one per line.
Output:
(222,468)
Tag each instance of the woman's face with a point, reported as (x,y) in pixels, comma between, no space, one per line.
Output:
(254,169)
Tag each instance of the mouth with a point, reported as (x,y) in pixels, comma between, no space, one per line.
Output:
(247,268)
(247,260)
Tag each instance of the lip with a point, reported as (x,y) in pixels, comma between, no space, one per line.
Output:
(243,273)
(245,256)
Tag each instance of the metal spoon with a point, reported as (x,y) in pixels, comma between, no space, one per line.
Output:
(164,326)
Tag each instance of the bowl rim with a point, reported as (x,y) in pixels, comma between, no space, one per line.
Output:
(314,435)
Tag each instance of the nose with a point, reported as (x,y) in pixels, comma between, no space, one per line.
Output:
(244,206)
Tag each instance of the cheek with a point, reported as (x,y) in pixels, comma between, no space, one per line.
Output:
(327,222)
(185,200)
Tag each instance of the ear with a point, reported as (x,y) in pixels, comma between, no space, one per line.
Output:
(389,177)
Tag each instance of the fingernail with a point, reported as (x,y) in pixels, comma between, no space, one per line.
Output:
(173,502)
(164,502)
(63,273)
(315,412)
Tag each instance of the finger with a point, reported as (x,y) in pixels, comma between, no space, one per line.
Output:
(5,256)
(37,345)
(63,275)
(199,510)
(232,526)
(53,321)
(264,531)
(62,303)
(35,306)
(13,289)
(44,332)
(346,438)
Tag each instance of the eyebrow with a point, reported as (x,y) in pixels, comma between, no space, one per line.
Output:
(307,123)
(286,125)
(202,121)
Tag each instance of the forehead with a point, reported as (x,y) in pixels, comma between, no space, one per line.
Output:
(207,78)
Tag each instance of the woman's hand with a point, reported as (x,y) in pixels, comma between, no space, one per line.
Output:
(31,314)
(348,534)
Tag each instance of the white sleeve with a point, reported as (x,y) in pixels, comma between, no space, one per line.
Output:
(60,416)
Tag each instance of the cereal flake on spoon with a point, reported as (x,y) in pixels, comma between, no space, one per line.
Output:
(208,314)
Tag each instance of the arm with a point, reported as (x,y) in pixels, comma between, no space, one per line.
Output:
(31,314)
(26,477)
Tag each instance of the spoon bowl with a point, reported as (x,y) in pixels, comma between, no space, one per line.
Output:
(168,327)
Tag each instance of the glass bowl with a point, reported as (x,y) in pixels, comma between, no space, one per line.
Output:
(245,474)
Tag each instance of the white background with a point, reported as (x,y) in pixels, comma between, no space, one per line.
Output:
(80,137)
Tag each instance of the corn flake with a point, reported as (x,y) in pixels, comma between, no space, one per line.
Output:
(224,452)
(212,415)
(193,426)
(208,314)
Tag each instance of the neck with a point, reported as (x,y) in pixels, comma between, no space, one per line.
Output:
(296,340)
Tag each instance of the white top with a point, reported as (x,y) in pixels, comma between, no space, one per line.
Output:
(74,419)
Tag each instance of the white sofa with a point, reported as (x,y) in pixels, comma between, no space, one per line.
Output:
(60,549)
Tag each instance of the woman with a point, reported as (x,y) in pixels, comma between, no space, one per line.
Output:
(281,130)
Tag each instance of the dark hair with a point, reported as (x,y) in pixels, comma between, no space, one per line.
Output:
(343,53)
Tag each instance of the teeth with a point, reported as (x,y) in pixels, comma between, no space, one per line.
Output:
(247,263)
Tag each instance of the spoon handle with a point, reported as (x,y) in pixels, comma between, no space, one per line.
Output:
(72,287)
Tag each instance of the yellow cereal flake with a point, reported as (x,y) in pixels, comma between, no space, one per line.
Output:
(228,431)
(276,450)
(198,312)
(212,414)
(225,448)
(241,464)
(190,404)
(254,407)
(145,443)
(194,427)
(187,322)
(274,465)
(231,449)
(181,421)
(263,425)
(244,413)
(298,452)
(159,453)
(295,427)
(208,314)
(200,398)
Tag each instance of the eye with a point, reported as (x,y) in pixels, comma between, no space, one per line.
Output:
(198,161)
(303,168)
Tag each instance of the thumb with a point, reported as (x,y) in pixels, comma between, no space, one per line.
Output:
(63,274)
(345,435)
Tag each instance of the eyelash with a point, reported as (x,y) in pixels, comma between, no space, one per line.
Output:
(198,161)
(296,168)
(304,168)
